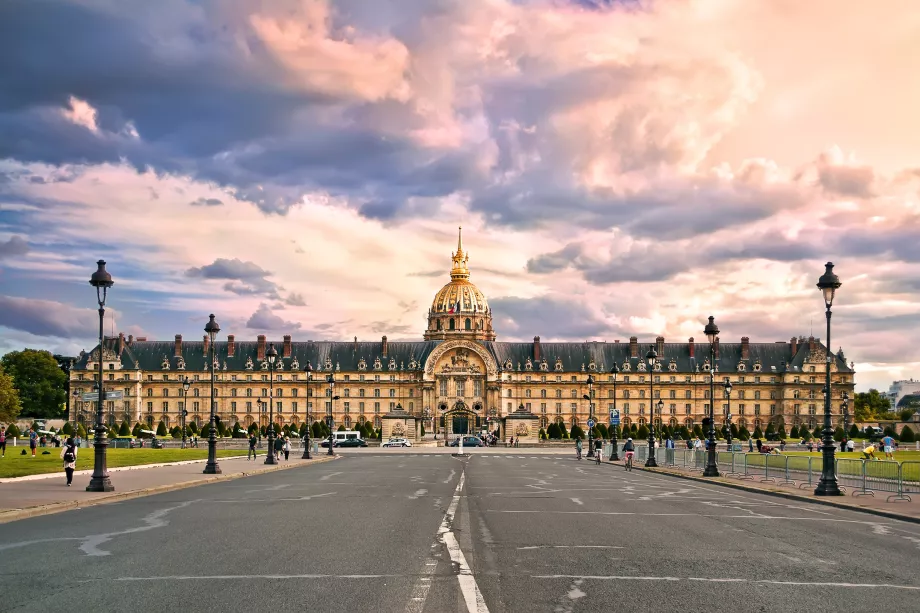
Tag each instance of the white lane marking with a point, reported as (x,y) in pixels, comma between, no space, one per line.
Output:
(755,517)
(267,488)
(154,520)
(734,580)
(325,477)
(475,603)
(298,499)
(570,547)
(451,476)
(235,577)
(417,494)
(577,501)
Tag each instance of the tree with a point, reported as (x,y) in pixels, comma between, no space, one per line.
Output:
(341,428)
(542,434)
(317,430)
(10,405)
(889,431)
(758,433)
(40,381)
(563,433)
(253,428)
(125,429)
(684,432)
(907,435)
(854,431)
(794,431)
(13,430)
(161,429)
(698,430)
(552,431)
(839,433)
(577,432)
(906,414)
(67,429)
(81,431)
(819,432)
(642,432)
(204,433)
(867,406)
(602,430)
(423,429)
(176,432)
(304,427)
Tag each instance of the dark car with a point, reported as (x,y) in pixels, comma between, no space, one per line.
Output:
(351,442)
(468,441)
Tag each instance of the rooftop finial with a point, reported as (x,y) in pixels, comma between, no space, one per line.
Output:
(460,259)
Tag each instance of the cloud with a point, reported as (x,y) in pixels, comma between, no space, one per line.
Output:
(244,278)
(48,318)
(295,299)
(550,317)
(15,245)
(264,319)
(206,202)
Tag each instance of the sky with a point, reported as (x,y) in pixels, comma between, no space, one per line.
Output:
(619,168)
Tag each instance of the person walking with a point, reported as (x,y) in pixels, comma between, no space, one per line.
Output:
(750,445)
(33,441)
(252,447)
(287,449)
(69,455)
(279,446)
(2,442)
(578,448)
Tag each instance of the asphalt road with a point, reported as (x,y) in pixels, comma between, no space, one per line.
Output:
(524,532)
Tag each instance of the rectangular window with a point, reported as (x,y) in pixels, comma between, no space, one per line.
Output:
(574,407)
(347,407)
(477,389)
(626,379)
(277,407)
(233,406)
(376,407)
(543,407)
(740,409)
(248,406)
(672,394)
(411,392)
(264,392)
(360,407)
(346,392)
(195,406)
(165,406)
(461,388)
(280,393)
(392,393)
(527,406)
(361,393)
(772,409)
(509,407)
(150,407)
(756,409)
(558,407)
(294,392)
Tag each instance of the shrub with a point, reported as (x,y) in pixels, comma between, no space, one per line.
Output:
(854,431)
(907,435)
(734,430)
(794,432)
(642,432)
(906,414)
(552,431)
(743,434)
(577,432)
(889,431)
(758,433)
(176,432)
(563,433)
(818,432)
(13,430)
(67,429)
(542,434)
(806,435)
(602,430)
(698,430)
(204,433)
(81,431)
(781,431)
(839,434)
(125,429)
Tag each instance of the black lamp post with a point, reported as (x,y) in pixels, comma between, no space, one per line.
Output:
(306,446)
(270,356)
(589,397)
(614,455)
(728,413)
(185,385)
(330,419)
(712,464)
(73,411)
(846,415)
(827,486)
(652,358)
(100,481)
(212,467)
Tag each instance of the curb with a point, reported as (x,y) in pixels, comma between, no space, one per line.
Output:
(89,471)
(57,507)
(787,495)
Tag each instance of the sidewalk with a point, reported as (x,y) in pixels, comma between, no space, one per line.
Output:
(30,498)
(876,505)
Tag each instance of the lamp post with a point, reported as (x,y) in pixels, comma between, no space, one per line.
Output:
(100,481)
(185,385)
(827,486)
(589,397)
(614,455)
(306,445)
(330,419)
(846,415)
(73,410)
(212,467)
(652,358)
(712,464)
(728,413)
(270,356)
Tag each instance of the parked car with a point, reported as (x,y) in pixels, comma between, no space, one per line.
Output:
(468,441)
(351,442)
(397,442)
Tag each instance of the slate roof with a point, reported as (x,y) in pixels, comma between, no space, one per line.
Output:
(344,356)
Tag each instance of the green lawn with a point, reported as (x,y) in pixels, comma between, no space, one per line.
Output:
(16,465)
(798,462)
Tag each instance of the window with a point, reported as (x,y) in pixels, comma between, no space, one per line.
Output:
(165,406)
(150,406)
(461,387)
(543,407)
(361,393)
(444,388)
(558,393)
(233,392)
(150,391)
(688,409)
(165,392)
(450,325)
(477,389)
(574,393)
(574,407)
(509,394)
(248,406)
(756,409)
(527,393)
(265,391)
(346,407)
(559,408)
(772,409)
(756,394)
(392,393)
(376,407)
(641,393)
(688,394)
(672,394)
(626,379)
(294,392)
(376,392)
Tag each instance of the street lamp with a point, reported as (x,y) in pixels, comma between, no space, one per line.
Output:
(330,419)
(827,486)
(306,447)
(270,356)
(712,464)
(185,385)
(100,481)
(589,396)
(728,413)
(652,358)
(212,468)
(73,410)
(614,455)
(846,414)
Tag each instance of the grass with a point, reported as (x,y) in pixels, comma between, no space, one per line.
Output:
(798,461)
(16,465)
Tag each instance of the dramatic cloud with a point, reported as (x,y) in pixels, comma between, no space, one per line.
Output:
(264,319)
(244,278)
(206,202)
(15,245)
(48,318)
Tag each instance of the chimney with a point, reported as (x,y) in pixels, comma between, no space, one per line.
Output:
(130,339)
(692,347)
(633,347)
(745,348)
(260,349)
(206,344)
(178,350)
(811,343)
(231,345)
(356,344)
(384,346)
(286,351)
(141,339)
(121,342)
(536,349)
(794,344)
(659,346)
(716,347)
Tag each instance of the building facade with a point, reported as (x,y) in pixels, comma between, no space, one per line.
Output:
(459,378)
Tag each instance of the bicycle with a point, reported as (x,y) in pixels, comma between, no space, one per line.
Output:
(627,465)
(578,453)
(597,457)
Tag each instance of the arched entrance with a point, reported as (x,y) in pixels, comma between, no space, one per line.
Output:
(460,419)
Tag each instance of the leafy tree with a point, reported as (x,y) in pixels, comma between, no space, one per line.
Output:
(13,430)
(125,429)
(839,434)
(304,427)
(907,435)
(253,428)
(161,429)
(642,432)
(684,432)
(176,432)
(316,430)
(193,427)
(906,414)
(867,406)
(40,381)
(805,434)
(781,431)
(757,432)
(577,432)
(67,429)
(10,405)
(794,431)
(854,431)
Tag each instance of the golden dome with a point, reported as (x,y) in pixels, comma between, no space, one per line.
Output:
(459,296)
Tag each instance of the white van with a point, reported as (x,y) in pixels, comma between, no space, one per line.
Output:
(344,435)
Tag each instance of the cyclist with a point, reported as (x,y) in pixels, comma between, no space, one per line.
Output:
(629,449)
(598,453)
(578,448)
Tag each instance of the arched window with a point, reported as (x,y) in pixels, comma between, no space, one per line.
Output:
(468,325)
(450,326)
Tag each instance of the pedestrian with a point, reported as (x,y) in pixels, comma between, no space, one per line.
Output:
(287,449)
(2,442)
(851,445)
(750,445)
(577,448)
(759,446)
(69,455)
(33,441)
(279,445)
(252,447)
(888,444)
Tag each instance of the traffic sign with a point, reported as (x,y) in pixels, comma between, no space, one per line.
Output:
(114,395)
(615,417)
(94,396)
(590,423)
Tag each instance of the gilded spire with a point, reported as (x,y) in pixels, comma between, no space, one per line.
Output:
(459,270)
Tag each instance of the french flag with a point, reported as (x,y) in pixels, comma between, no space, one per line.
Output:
(455,308)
